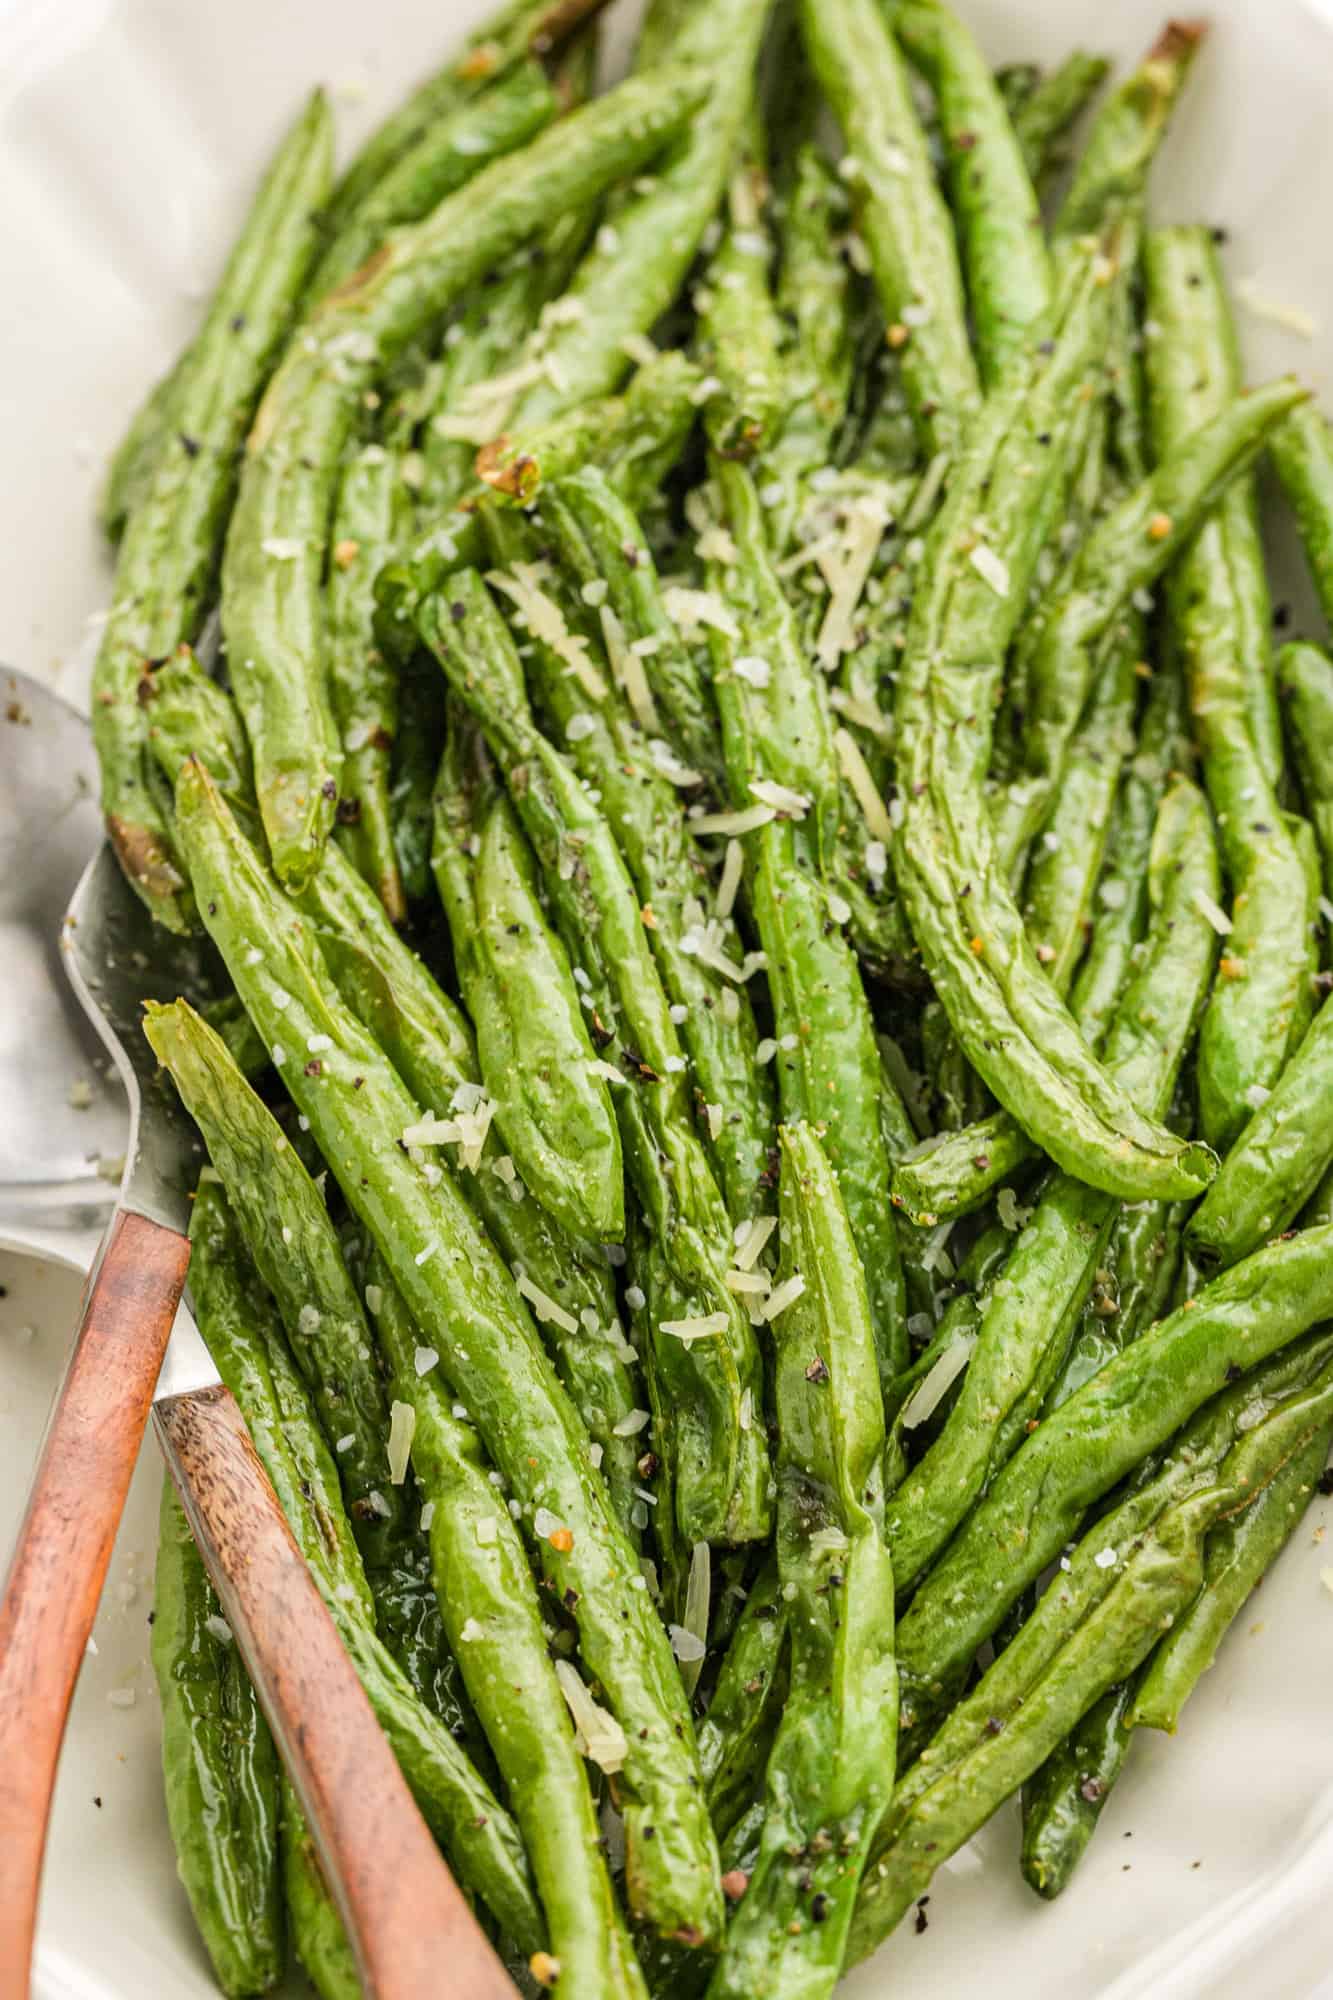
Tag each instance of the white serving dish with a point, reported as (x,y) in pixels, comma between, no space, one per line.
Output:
(130,132)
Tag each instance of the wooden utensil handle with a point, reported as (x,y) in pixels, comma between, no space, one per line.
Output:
(64,1545)
(412,1931)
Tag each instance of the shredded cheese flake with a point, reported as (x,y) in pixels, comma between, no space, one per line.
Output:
(743,821)
(597,1734)
(938,1380)
(992,569)
(402,1428)
(732,867)
(692,610)
(1212,912)
(783,1295)
(546,621)
(697,1328)
(785,800)
(627,667)
(751,1238)
(545,1307)
(857,773)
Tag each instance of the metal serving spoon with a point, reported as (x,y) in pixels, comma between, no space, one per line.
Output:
(137,1347)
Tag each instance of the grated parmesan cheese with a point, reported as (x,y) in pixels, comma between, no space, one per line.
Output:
(937,1381)
(402,1428)
(857,773)
(545,1307)
(784,1295)
(698,1327)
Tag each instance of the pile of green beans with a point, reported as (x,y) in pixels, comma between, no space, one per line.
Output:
(766,1077)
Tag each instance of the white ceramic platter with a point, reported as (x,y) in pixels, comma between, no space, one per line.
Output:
(130,133)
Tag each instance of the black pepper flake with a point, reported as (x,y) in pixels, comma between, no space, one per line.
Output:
(993,1725)
(1220,234)
(1282,616)
(818,1370)
(921,1921)
(818,1907)
(314,1067)
(570,1599)
(238,323)
(329,789)
(1234,1371)
(348,812)
(357,1082)
(189,445)
(1324,1484)
(212,909)
(97,1800)
(458,612)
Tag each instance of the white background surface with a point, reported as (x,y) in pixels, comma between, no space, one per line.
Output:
(130,133)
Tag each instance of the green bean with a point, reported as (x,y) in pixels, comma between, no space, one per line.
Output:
(315,1927)
(1303,454)
(394,996)
(219,1768)
(363,687)
(239,1323)
(449,152)
(1016,82)
(1050,109)
(720,1473)
(899,212)
(1128,130)
(1063,1799)
(520,28)
(1003,1010)
(1238,1555)
(1279,1158)
(484,342)
(1126,552)
(1305,677)
(553,1110)
(1079,1452)
(775,733)
(527,27)
(1063,873)
(635,437)
(739,332)
(458,1290)
(990,190)
(1090,1631)
(638,260)
(1194,370)
(747,1699)
(397,1001)
(494,1622)
(276,546)
(129,473)
(295,1248)
(1217,596)
(607,746)
(1131,1290)
(1028,1319)
(169,551)
(233,1025)
(814,299)
(830,1771)
(600,541)
(957,1174)
(1122,891)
